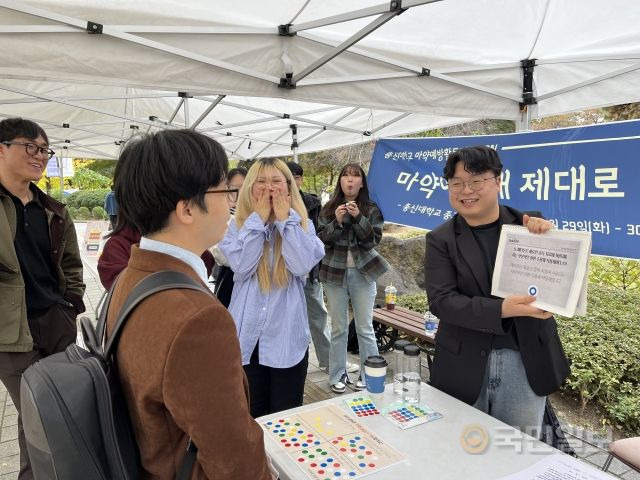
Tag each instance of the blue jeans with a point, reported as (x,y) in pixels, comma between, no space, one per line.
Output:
(506,394)
(317,313)
(362,294)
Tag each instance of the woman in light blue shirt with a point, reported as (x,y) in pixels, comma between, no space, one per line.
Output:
(271,247)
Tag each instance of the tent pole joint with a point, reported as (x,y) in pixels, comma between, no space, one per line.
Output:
(284,30)
(94,28)
(184,95)
(294,136)
(528,65)
(396,6)
(287,81)
(425,72)
(65,125)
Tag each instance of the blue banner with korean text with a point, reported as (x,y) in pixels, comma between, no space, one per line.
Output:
(583,178)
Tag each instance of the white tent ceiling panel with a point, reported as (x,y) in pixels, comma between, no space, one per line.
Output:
(232,121)
(441,61)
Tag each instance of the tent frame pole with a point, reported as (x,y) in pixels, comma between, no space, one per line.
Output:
(209,109)
(354,15)
(355,38)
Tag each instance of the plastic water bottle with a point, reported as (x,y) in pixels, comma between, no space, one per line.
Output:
(398,360)
(411,374)
(429,323)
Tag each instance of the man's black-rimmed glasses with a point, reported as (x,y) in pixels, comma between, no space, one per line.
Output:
(33,149)
(232,193)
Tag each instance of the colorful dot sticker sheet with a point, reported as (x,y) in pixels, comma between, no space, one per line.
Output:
(362,406)
(407,415)
(328,444)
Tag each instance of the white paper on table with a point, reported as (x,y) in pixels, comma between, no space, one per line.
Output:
(553,266)
(559,467)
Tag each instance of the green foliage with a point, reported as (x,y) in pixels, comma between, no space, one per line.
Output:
(87,198)
(86,179)
(625,408)
(98,213)
(73,211)
(616,272)
(604,349)
(83,214)
(103,167)
(55,193)
(414,301)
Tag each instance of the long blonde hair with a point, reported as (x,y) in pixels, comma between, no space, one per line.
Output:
(244,208)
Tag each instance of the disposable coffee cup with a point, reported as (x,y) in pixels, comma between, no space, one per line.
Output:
(375,371)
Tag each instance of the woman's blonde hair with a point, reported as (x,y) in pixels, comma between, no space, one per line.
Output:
(280,276)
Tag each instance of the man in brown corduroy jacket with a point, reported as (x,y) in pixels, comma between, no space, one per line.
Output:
(178,356)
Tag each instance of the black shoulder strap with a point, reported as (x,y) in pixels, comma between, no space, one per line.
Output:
(154,283)
(186,467)
(101,325)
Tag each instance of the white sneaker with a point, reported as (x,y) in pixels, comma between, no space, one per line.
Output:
(360,385)
(353,367)
(341,385)
(338,387)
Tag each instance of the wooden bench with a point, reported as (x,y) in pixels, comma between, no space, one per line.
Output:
(407,321)
(404,320)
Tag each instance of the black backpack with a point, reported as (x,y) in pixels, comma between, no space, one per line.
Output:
(74,414)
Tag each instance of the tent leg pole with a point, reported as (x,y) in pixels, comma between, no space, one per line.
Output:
(523,124)
(60,163)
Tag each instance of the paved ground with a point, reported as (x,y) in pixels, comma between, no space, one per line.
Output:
(316,389)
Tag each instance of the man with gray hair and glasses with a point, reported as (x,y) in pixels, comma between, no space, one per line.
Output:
(40,265)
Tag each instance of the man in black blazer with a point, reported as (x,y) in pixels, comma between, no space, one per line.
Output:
(503,356)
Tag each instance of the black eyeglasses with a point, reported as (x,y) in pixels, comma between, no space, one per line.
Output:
(232,193)
(33,149)
(475,183)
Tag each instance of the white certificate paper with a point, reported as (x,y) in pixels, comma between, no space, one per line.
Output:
(559,467)
(552,266)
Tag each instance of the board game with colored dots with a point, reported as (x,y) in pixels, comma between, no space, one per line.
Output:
(362,407)
(328,444)
(407,415)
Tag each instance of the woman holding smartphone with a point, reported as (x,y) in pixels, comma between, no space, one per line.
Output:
(350,226)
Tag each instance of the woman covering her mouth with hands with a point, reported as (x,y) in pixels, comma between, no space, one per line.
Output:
(271,247)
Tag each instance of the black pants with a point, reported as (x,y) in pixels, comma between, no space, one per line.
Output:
(275,389)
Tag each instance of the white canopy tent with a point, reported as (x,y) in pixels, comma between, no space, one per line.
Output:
(263,76)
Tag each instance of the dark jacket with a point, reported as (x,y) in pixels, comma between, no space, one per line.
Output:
(66,264)
(459,292)
(181,373)
(313,206)
(116,253)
